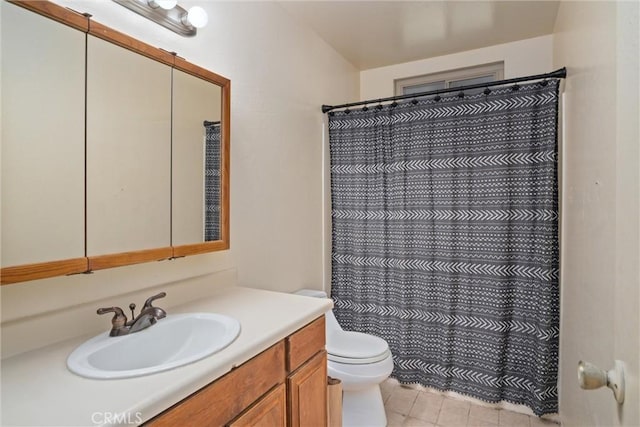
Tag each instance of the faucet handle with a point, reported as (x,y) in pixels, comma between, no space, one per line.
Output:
(148,303)
(119,318)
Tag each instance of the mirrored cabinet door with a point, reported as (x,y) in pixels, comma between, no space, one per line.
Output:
(43,79)
(196,168)
(114,152)
(128,150)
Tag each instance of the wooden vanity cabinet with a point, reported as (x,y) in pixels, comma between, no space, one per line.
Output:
(285,385)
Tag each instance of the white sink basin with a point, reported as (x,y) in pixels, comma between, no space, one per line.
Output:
(174,341)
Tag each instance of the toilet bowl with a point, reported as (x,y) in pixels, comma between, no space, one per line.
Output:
(361,362)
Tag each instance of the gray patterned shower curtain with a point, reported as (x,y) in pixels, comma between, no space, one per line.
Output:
(445,239)
(212,181)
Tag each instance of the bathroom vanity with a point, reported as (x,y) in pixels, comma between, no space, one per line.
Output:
(283,385)
(274,373)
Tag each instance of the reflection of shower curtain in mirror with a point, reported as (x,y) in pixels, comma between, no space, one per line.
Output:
(212,182)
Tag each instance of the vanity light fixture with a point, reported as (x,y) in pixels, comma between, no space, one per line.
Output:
(168,14)
(165,4)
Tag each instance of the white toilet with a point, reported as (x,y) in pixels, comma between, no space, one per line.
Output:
(361,362)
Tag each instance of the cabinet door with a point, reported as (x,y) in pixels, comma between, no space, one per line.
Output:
(128,150)
(270,411)
(196,162)
(308,393)
(42,139)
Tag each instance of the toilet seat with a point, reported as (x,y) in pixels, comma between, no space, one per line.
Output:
(356,348)
(362,361)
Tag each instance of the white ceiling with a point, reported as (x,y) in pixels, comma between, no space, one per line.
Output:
(372,34)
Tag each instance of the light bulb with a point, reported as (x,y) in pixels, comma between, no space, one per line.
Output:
(197,17)
(164,4)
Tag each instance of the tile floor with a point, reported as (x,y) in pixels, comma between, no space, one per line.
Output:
(409,407)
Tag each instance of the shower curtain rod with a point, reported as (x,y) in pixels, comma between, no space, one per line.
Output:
(560,74)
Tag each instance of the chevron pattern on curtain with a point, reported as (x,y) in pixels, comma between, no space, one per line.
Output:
(445,239)
(212,164)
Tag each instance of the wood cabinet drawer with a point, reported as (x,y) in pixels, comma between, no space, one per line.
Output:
(304,343)
(228,396)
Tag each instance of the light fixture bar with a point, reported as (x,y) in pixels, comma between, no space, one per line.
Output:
(173,19)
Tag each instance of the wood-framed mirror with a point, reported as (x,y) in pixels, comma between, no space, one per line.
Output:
(42,142)
(125,213)
(201,120)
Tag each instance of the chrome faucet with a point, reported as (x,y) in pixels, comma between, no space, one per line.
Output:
(148,316)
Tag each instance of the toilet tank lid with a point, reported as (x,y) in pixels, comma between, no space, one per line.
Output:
(311,293)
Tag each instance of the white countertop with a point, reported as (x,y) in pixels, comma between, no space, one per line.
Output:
(39,390)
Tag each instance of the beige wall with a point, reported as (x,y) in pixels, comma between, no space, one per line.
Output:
(280,74)
(598,43)
(378,82)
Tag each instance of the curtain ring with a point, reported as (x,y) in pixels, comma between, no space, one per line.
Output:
(394,104)
(544,82)
(414,101)
(331,113)
(515,87)
(437,98)
(347,111)
(365,108)
(487,91)
(461,94)
(379,106)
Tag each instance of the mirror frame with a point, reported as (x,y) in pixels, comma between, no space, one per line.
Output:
(22,273)
(225,129)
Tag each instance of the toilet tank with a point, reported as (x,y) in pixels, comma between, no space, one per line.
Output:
(332,324)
